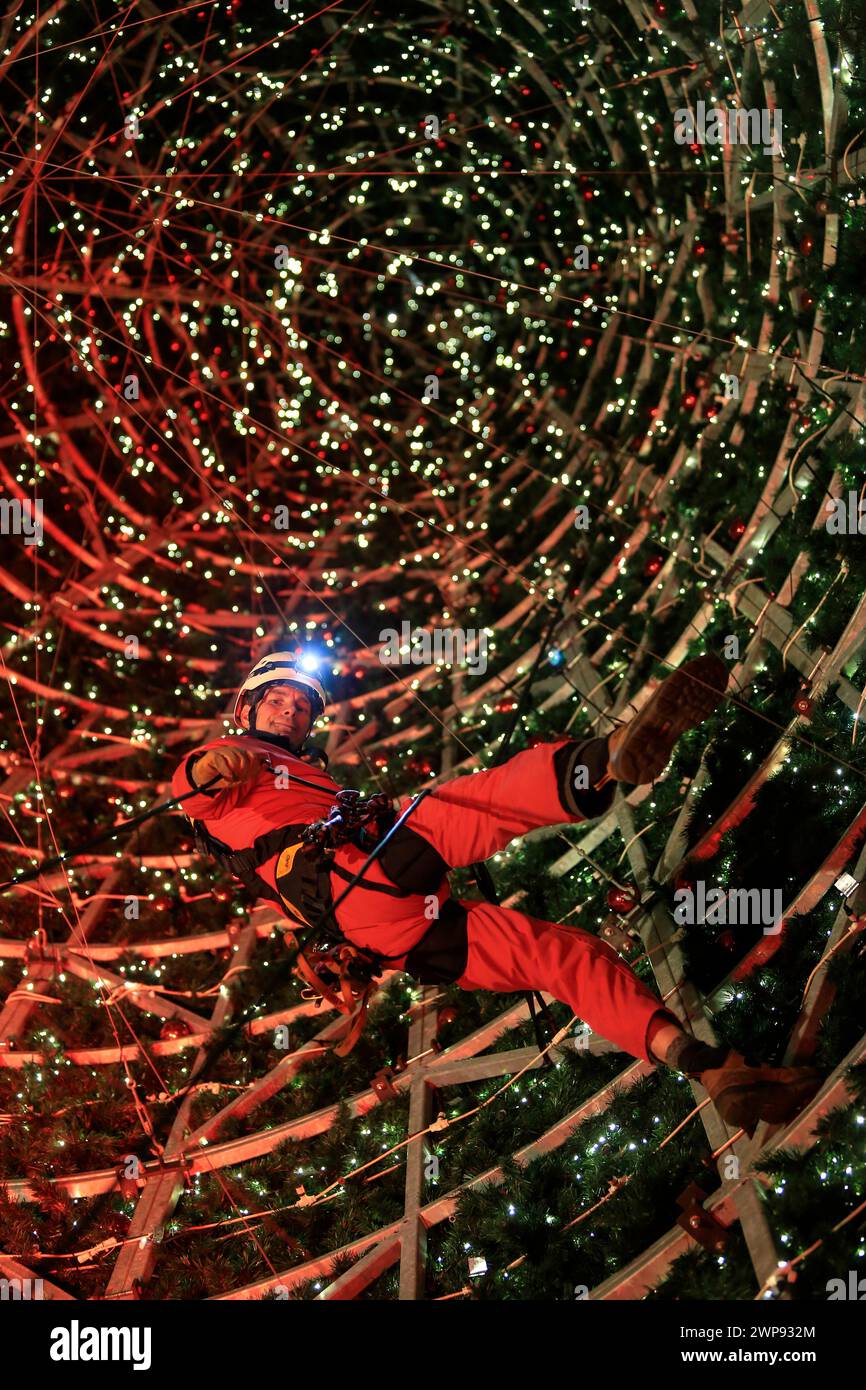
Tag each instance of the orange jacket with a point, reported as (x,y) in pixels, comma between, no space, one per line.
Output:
(260,819)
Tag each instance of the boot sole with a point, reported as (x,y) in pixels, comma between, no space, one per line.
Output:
(685,699)
(774,1100)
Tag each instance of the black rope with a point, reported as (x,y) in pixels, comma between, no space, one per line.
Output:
(285,966)
(329,914)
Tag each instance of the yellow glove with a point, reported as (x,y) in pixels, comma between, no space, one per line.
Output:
(236,766)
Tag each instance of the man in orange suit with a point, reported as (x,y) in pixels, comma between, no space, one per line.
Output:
(270,786)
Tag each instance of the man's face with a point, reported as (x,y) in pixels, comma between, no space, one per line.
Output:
(284,710)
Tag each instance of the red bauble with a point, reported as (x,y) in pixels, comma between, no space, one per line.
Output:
(807,300)
(736,529)
(446,1015)
(623,899)
(726,939)
(653,566)
(807,244)
(804,706)
(174,1028)
(822,207)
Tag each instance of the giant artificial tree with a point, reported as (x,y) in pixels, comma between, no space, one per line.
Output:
(317,323)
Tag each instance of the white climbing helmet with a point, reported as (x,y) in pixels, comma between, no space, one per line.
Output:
(281,666)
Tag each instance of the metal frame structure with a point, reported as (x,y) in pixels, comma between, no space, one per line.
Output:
(190,1150)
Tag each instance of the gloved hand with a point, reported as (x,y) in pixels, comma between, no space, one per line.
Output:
(238,767)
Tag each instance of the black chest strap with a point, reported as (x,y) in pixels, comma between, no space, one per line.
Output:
(303,891)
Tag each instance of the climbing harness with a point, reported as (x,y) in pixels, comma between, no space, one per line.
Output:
(331,967)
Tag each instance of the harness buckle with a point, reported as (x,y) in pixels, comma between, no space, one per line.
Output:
(348,819)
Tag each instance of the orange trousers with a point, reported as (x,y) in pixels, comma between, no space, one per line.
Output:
(467,820)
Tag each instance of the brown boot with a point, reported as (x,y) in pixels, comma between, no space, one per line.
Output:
(640,750)
(743,1095)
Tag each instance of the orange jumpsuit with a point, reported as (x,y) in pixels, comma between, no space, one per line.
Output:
(405,896)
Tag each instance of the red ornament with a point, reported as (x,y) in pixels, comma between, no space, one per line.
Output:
(690,400)
(446,1015)
(726,939)
(822,207)
(174,1028)
(807,300)
(653,566)
(623,899)
(807,244)
(736,529)
(804,706)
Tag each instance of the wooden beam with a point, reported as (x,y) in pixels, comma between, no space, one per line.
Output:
(413,1232)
